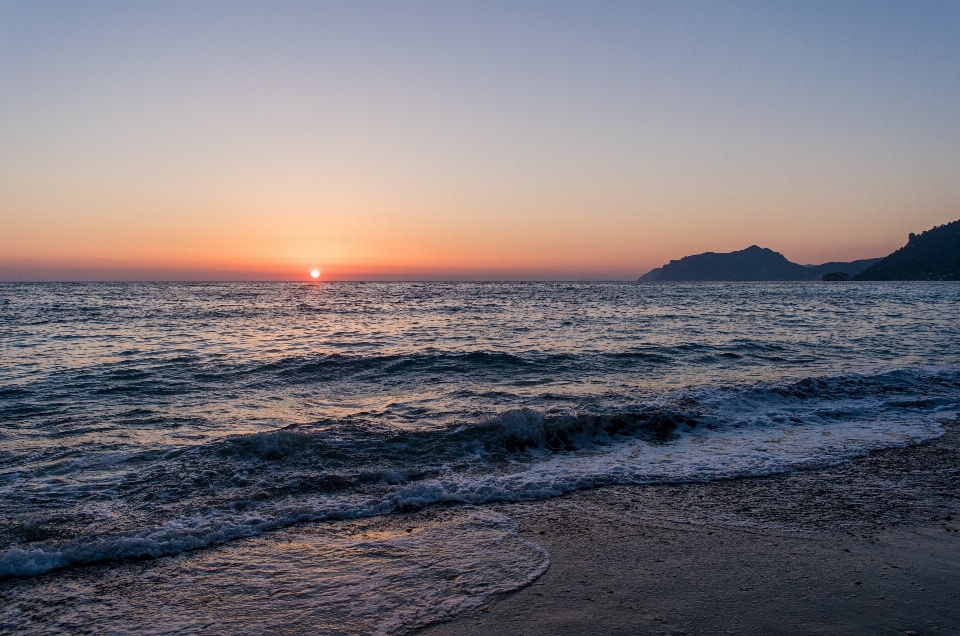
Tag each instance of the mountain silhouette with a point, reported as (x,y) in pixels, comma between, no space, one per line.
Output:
(752,264)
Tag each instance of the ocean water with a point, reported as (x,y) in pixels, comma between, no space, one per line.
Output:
(240,454)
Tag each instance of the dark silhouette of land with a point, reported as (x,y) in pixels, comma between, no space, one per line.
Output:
(752,264)
(932,255)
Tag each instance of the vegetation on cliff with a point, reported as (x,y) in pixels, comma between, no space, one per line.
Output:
(932,255)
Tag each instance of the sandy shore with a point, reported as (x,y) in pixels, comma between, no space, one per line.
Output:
(869,547)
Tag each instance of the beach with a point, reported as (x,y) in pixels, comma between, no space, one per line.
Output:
(867,547)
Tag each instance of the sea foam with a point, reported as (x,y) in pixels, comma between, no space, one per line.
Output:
(698,434)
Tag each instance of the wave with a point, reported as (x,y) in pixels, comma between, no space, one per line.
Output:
(245,485)
(166,376)
(191,374)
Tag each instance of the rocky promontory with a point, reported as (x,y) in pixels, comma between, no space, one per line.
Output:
(932,255)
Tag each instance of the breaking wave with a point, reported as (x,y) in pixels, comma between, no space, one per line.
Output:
(245,485)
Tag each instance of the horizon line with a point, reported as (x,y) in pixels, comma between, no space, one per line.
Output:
(339,280)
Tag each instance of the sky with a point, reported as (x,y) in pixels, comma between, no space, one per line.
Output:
(467,140)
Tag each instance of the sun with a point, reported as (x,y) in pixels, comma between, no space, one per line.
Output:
(315,273)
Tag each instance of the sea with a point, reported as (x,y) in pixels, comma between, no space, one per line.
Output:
(322,457)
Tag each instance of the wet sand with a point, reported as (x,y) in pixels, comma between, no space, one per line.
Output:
(868,547)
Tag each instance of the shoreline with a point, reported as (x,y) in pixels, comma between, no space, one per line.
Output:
(870,546)
(867,547)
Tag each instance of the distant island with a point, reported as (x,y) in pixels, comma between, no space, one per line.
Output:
(932,255)
(752,264)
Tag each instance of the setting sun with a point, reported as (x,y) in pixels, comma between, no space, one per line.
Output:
(315,273)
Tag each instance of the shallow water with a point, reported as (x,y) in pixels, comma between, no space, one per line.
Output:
(148,420)
(375,577)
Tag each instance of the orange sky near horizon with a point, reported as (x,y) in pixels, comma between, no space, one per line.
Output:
(286,236)
(470,141)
